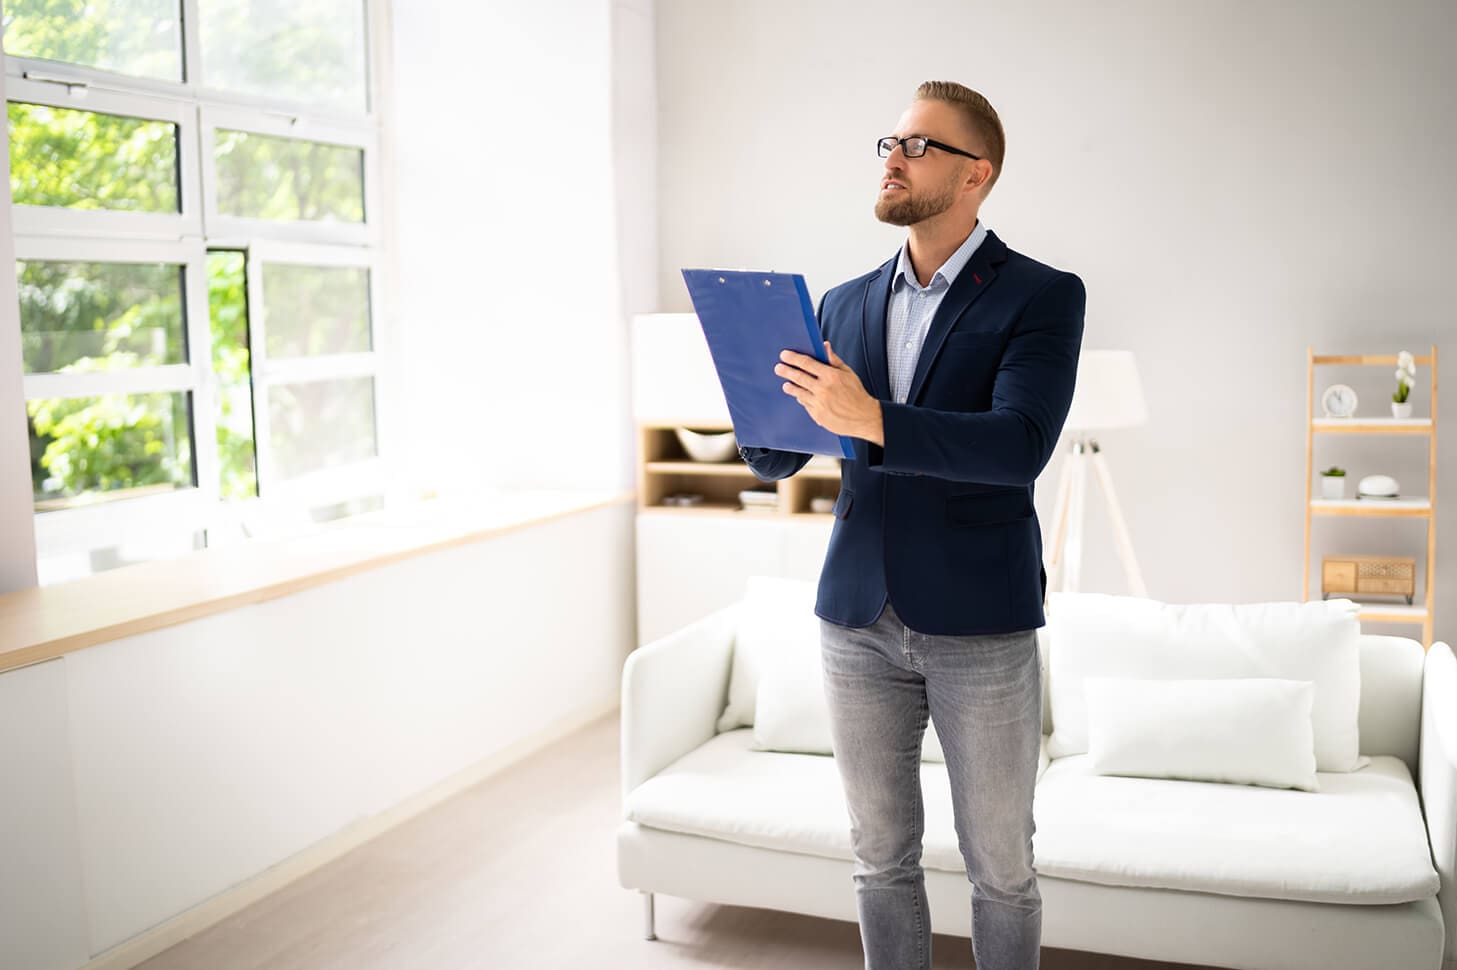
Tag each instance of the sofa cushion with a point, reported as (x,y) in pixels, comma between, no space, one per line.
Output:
(726,790)
(1360,839)
(1095,634)
(1244,731)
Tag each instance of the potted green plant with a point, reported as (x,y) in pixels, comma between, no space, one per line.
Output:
(1406,372)
(1333,482)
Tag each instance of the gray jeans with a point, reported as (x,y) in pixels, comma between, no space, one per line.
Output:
(984,695)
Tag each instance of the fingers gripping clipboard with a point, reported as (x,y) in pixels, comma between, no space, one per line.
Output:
(748,318)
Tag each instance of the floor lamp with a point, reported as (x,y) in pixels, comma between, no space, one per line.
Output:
(1107,395)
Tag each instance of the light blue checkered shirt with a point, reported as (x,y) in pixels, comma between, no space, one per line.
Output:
(912,306)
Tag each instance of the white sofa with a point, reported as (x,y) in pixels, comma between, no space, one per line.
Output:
(1362,875)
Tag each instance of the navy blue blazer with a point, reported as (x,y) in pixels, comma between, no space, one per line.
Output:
(940,520)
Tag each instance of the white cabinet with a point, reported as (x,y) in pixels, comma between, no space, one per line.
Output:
(690,565)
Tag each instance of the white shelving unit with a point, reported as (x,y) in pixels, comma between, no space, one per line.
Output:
(1410,507)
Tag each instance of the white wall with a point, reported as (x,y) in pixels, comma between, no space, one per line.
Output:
(635,151)
(1233,182)
(144,776)
(516,267)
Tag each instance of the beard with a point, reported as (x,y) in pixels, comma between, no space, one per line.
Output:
(910,208)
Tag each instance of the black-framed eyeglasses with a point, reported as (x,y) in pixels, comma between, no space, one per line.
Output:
(915,146)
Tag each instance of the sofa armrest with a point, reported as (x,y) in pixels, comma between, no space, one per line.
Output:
(673,691)
(1437,776)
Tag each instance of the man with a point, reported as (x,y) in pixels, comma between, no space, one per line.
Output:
(952,367)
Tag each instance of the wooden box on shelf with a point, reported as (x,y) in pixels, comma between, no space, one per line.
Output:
(1368,575)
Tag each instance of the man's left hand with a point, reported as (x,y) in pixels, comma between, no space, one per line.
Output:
(832,394)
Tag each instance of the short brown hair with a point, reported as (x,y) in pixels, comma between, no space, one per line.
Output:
(979,115)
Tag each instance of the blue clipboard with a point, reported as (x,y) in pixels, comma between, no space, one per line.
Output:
(748,319)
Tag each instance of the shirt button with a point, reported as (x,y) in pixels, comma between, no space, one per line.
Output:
(908,345)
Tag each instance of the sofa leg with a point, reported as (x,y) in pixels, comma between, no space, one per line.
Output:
(648,932)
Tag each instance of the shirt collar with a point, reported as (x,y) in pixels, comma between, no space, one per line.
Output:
(949,269)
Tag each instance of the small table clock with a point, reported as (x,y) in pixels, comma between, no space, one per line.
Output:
(1339,401)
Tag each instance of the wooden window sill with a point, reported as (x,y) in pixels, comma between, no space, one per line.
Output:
(47,622)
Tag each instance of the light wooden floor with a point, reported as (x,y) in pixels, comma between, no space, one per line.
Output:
(519,873)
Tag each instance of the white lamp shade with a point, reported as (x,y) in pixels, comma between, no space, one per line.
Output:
(1108,393)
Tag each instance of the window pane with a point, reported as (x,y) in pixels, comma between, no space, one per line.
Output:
(228,314)
(315,309)
(85,449)
(142,38)
(321,424)
(264,177)
(99,316)
(86,160)
(298,50)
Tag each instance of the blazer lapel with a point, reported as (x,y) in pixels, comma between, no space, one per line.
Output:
(872,328)
(971,283)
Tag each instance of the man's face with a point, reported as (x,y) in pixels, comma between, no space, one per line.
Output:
(915,189)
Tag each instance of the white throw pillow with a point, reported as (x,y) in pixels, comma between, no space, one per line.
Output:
(791,713)
(778,618)
(1250,731)
(1098,635)
(776,683)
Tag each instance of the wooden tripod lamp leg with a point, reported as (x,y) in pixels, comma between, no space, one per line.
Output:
(1077,504)
(1120,528)
(1055,557)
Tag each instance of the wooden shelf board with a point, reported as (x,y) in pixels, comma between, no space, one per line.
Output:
(1393,613)
(735,468)
(709,425)
(1412,508)
(730,510)
(1384,360)
(1418,426)
(704,508)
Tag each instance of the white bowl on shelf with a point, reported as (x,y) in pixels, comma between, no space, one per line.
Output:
(821,504)
(707,446)
(1378,486)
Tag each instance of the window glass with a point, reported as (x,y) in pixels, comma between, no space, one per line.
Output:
(142,38)
(295,50)
(87,160)
(265,177)
(99,316)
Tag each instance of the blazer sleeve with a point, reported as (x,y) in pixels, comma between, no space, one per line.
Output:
(1031,395)
(769,465)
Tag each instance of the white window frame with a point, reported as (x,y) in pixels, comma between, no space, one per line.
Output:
(295,128)
(187,237)
(107,522)
(194,86)
(36,220)
(330,484)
